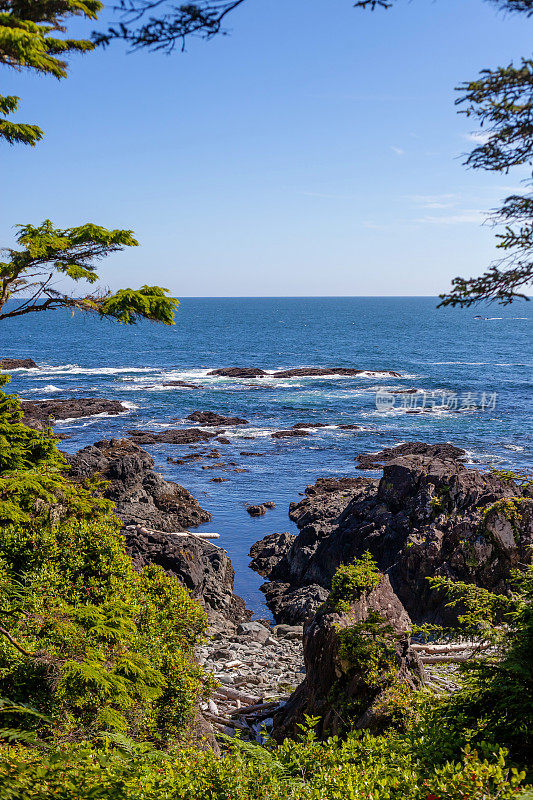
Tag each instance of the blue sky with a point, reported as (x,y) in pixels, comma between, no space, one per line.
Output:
(314,151)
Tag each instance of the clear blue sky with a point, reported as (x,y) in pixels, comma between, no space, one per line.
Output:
(314,151)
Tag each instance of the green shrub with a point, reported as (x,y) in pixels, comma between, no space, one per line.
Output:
(352,580)
(84,638)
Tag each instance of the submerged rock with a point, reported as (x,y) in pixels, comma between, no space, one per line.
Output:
(289,433)
(238,372)
(142,496)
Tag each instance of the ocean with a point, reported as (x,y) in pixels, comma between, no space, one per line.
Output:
(472,368)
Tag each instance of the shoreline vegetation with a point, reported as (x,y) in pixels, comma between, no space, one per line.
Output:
(398,663)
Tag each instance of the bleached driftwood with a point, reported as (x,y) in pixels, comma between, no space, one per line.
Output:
(234,694)
(450,648)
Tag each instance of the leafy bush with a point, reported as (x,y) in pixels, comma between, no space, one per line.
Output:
(84,638)
(351,580)
(362,767)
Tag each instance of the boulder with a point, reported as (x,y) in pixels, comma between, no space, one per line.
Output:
(256,511)
(348,683)
(210,418)
(38,412)
(304,425)
(18,363)
(142,496)
(256,631)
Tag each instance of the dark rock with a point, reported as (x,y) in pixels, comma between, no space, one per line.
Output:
(260,509)
(18,363)
(250,453)
(223,440)
(323,371)
(339,691)
(239,372)
(442,451)
(288,434)
(200,566)
(210,418)
(268,552)
(290,605)
(182,385)
(172,436)
(288,631)
(141,494)
(37,412)
(425,517)
(299,425)
(219,480)
(256,511)
(347,427)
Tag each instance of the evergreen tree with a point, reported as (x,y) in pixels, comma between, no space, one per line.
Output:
(48,253)
(28,41)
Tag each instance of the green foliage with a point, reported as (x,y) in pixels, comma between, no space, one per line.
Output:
(362,767)
(47,251)
(368,648)
(495,701)
(351,580)
(28,41)
(84,638)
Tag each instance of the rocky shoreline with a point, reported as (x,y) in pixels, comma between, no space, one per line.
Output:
(428,515)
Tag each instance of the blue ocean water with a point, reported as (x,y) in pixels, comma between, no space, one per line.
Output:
(445,351)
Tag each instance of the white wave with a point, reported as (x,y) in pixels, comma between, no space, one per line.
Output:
(76,369)
(49,388)
(103,415)
(129,406)
(514,447)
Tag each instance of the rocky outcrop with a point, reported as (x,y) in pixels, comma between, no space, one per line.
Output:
(352,671)
(18,363)
(302,372)
(238,372)
(201,567)
(38,412)
(442,451)
(426,517)
(211,418)
(142,496)
(267,553)
(172,436)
